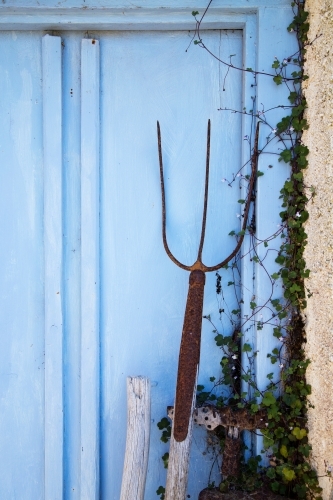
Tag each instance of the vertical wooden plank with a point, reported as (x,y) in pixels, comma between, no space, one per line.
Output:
(52,139)
(22,372)
(71,62)
(247,263)
(272,32)
(137,439)
(90,269)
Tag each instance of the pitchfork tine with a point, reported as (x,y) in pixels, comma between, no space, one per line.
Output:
(204,215)
(199,264)
(165,242)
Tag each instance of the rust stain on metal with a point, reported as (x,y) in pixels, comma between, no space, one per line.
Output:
(234,421)
(231,453)
(189,355)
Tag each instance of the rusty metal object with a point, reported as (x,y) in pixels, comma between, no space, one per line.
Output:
(190,344)
(231,453)
(235,421)
(189,354)
(211,417)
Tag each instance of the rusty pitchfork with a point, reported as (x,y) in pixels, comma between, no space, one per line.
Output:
(189,355)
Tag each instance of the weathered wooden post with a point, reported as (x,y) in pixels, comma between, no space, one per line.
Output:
(178,465)
(137,439)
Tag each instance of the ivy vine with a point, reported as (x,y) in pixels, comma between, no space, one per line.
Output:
(286,402)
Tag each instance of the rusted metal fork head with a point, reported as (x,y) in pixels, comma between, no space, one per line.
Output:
(189,355)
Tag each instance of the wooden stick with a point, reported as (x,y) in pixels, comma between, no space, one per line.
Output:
(179,458)
(137,440)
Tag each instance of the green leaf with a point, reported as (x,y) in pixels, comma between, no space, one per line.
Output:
(292,97)
(268,399)
(277,79)
(280,259)
(200,388)
(299,433)
(284,451)
(165,459)
(286,155)
(247,348)
(288,474)
(163,424)
(241,201)
(161,491)
(195,13)
(270,473)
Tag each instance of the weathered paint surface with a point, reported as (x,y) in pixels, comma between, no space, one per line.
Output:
(121,301)
(22,268)
(143,293)
(318,252)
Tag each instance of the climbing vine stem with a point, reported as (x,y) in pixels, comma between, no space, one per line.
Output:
(285,401)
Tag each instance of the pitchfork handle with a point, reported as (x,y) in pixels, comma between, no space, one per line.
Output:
(189,354)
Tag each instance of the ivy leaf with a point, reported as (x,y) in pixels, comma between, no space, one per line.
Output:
(268,399)
(299,433)
(195,13)
(284,451)
(286,156)
(280,259)
(247,348)
(270,473)
(288,474)
(163,424)
(277,79)
(293,97)
(165,459)
(161,491)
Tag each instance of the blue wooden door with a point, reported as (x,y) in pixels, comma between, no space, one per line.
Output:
(89,296)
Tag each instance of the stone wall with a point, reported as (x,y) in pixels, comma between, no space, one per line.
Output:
(319,251)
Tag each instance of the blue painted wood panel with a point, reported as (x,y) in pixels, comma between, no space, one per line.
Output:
(22,269)
(143,294)
(121,301)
